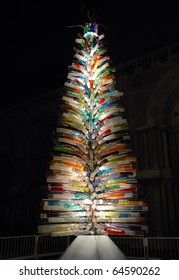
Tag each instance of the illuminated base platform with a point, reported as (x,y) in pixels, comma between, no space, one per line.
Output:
(89,247)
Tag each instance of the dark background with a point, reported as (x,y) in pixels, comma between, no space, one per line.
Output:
(37,44)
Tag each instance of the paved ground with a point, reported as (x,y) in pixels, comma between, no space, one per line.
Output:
(88,247)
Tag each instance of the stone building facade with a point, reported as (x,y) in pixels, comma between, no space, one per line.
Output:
(151,87)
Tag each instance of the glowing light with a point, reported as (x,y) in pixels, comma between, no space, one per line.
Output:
(92,180)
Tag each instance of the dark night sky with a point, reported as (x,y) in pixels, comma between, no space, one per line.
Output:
(37,46)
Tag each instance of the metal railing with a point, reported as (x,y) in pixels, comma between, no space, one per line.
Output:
(45,246)
(153,58)
(32,247)
(148,247)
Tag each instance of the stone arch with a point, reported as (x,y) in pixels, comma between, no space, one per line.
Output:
(163,106)
(163,98)
(171,108)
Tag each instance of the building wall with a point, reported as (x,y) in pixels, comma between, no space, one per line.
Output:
(151,99)
(25,151)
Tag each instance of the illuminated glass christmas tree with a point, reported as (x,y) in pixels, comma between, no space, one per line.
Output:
(92,180)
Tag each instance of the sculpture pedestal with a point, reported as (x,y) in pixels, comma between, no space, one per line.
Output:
(89,247)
